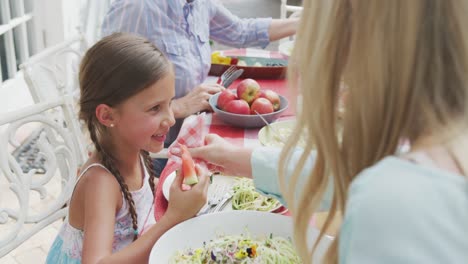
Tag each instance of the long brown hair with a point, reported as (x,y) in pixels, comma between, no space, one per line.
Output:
(114,69)
(406,66)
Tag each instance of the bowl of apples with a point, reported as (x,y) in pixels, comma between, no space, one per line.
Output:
(239,107)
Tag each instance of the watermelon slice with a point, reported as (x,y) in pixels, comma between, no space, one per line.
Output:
(188,167)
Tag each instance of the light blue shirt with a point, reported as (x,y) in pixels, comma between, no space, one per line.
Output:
(397,211)
(182,31)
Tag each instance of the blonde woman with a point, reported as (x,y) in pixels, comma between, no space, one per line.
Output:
(406,65)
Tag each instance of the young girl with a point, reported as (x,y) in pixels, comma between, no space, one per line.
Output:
(406,65)
(126,90)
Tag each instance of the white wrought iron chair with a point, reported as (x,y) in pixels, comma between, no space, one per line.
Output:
(285,9)
(53,72)
(27,199)
(289,11)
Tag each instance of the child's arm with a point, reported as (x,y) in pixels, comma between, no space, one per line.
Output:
(100,219)
(102,200)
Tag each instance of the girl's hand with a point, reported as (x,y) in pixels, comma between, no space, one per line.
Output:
(231,159)
(185,204)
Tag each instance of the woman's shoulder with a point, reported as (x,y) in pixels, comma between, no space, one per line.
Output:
(395,201)
(395,183)
(393,175)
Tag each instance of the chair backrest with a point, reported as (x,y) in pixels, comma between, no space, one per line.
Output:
(284,13)
(54,71)
(285,9)
(31,196)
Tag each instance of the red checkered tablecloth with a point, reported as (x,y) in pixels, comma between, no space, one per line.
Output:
(195,128)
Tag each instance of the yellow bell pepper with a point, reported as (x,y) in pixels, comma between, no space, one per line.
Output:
(216,58)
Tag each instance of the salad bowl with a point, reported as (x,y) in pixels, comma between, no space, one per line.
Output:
(194,232)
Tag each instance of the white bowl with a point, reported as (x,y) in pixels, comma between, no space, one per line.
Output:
(192,233)
(269,139)
(286,47)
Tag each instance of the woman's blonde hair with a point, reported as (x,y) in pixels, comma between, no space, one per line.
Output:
(406,66)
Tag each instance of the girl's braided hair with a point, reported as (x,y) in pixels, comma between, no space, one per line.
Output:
(114,69)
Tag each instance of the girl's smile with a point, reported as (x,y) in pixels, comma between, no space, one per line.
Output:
(160,138)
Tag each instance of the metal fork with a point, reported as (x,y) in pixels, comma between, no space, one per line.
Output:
(226,74)
(224,201)
(214,199)
(234,76)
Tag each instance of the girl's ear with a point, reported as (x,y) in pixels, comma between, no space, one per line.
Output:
(106,115)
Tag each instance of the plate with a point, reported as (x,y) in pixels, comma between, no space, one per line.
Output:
(278,71)
(193,232)
(269,139)
(167,184)
(220,183)
(286,47)
(246,121)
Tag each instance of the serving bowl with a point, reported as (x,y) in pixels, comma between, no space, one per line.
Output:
(247,121)
(194,232)
(272,68)
(269,138)
(286,47)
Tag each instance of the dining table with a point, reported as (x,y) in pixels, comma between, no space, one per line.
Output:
(198,126)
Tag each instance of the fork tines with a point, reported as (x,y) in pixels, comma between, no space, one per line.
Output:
(227,73)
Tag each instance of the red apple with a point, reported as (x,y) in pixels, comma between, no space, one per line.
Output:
(240,107)
(248,90)
(273,97)
(261,93)
(262,106)
(225,97)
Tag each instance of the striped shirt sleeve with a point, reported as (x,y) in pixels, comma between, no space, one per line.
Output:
(229,29)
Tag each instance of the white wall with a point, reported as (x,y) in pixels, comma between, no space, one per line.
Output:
(57,20)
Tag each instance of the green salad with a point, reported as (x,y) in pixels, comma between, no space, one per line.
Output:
(245,197)
(240,249)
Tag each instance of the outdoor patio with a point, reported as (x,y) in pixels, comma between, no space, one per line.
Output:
(14,94)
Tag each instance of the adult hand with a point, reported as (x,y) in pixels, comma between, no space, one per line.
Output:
(196,100)
(185,204)
(233,160)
